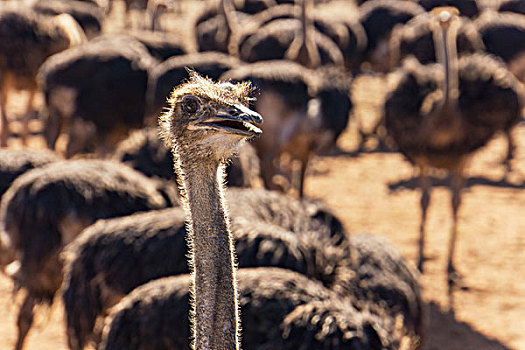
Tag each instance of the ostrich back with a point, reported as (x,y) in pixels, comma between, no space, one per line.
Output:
(47,207)
(277,307)
(14,163)
(503,34)
(111,71)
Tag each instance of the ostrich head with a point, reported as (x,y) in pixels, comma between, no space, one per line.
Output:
(445,16)
(208,120)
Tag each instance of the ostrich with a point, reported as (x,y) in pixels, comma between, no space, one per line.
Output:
(111,71)
(305,112)
(45,208)
(204,126)
(88,15)
(375,272)
(379,17)
(438,117)
(281,309)
(27,40)
(504,36)
(102,262)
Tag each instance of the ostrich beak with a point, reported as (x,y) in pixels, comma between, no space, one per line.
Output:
(238,120)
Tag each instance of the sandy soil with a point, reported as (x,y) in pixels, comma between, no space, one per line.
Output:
(377,193)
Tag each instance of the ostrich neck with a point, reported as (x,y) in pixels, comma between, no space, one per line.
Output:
(215,312)
(447,57)
(227,8)
(307,54)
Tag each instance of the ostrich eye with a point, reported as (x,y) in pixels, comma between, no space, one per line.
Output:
(190,104)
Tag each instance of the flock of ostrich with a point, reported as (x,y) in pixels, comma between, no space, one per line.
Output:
(161,228)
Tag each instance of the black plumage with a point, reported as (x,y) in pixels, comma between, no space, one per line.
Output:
(111,71)
(45,208)
(379,17)
(281,310)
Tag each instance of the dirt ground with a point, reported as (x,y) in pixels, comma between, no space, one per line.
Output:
(376,193)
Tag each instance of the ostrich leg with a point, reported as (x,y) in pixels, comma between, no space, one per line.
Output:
(426,187)
(453,276)
(4,132)
(25,320)
(510,151)
(27,116)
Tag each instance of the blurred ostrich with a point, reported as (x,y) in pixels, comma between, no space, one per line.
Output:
(28,39)
(504,36)
(438,117)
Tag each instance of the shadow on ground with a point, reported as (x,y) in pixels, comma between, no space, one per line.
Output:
(413,183)
(445,332)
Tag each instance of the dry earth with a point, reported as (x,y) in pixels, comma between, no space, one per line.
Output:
(377,193)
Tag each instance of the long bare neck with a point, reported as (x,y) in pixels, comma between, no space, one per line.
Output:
(227,9)
(308,54)
(215,317)
(447,57)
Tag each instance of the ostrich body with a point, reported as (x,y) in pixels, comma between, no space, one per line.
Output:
(111,71)
(206,123)
(28,39)
(102,262)
(439,117)
(80,192)
(504,36)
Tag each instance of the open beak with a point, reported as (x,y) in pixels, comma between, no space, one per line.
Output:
(238,120)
